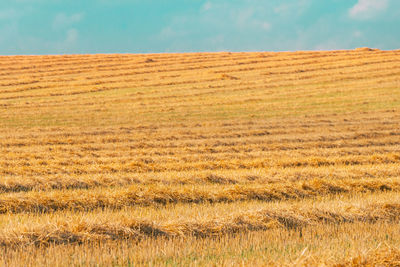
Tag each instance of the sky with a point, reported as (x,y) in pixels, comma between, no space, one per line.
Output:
(149,26)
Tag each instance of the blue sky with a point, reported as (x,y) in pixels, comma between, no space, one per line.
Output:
(150,26)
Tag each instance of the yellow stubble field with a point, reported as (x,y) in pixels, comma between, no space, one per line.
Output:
(200,159)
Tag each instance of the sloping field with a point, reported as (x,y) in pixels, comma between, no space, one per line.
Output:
(200,159)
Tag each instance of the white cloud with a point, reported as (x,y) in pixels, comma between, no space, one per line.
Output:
(62,21)
(328,46)
(251,17)
(72,36)
(206,6)
(244,16)
(66,45)
(366,9)
(167,32)
(7,14)
(247,19)
(65,24)
(266,26)
(293,8)
(357,34)
(217,25)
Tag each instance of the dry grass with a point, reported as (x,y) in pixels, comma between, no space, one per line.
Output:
(341,244)
(379,257)
(251,216)
(118,198)
(200,159)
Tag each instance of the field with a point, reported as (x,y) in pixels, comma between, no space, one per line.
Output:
(232,159)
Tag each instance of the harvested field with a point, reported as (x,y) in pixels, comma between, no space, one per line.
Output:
(289,158)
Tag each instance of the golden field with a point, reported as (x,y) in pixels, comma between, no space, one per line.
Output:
(201,159)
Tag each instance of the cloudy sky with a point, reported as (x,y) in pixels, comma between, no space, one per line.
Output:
(155,26)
